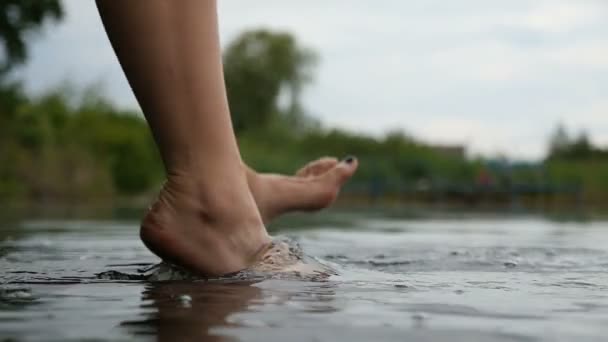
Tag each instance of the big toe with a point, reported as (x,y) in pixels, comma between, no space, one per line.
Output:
(330,183)
(317,167)
(342,171)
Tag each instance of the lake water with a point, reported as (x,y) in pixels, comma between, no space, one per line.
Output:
(443,278)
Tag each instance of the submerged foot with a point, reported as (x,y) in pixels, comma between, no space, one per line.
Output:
(315,186)
(211,230)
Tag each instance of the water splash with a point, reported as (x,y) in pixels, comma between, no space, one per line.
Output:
(284,260)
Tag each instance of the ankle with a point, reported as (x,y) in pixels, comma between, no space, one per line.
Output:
(225,227)
(218,195)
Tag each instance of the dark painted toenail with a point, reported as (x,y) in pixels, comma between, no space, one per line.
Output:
(348,159)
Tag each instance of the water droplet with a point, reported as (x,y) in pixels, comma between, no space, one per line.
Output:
(185,301)
(418,317)
(510,264)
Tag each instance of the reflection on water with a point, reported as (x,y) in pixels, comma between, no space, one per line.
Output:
(191,309)
(442,279)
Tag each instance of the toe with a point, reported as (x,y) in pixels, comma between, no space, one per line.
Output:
(317,167)
(334,178)
(327,186)
(343,171)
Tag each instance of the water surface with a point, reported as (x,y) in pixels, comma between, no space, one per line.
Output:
(467,278)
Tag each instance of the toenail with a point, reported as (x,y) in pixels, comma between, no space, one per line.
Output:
(348,159)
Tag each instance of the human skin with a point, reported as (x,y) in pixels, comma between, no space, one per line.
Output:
(209,216)
(313,187)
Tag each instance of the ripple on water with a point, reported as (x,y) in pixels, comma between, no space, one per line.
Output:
(284,260)
(492,258)
(441,287)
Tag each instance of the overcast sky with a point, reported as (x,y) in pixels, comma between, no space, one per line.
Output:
(495,75)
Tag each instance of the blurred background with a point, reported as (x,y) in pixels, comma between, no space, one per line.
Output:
(471,105)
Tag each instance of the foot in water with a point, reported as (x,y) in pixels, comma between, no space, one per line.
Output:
(315,186)
(210,226)
(194,225)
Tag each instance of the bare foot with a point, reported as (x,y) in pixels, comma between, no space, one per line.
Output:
(315,186)
(211,229)
(215,228)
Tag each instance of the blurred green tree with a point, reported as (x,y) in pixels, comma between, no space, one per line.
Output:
(559,140)
(261,68)
(18,19)
(563,146)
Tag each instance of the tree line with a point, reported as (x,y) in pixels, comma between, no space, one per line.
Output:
(66,147)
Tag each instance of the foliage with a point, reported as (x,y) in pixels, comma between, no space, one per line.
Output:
(261,67)
(73,147)
(18,19)
(56,147)
(564,147)
(52,150)
(575,160)
(395,158)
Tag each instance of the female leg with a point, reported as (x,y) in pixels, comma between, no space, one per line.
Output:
(206,217)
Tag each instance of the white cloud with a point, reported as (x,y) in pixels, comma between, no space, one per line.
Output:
(563,16)
(586,54)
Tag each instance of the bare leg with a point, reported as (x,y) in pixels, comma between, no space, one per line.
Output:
(205,217)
